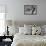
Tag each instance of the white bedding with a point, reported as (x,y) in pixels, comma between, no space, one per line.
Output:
(29,40)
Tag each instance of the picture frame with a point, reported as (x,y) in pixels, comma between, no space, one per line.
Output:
(30,9)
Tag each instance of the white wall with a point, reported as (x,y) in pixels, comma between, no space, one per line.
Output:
(15,9)
(41,16)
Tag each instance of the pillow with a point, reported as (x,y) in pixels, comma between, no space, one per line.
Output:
(36,30)
(44,26)
(21,30)
(13,30)
(28,26)
(44,29)
(28,31)
(24,30)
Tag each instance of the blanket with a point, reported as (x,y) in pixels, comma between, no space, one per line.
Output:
(29,40)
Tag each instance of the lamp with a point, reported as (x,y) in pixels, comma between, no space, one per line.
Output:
(8,23)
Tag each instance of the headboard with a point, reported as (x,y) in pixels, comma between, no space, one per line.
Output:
(21,23)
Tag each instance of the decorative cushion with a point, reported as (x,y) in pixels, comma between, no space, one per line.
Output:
(36,30)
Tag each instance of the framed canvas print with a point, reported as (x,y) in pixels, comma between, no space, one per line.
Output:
(30,9)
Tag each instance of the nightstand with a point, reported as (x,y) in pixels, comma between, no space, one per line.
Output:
(6,40)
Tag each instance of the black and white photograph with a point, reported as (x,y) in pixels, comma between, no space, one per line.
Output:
(30,9)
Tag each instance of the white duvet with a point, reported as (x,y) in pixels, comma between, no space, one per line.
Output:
(29,40)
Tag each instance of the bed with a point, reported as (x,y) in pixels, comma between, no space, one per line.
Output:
(25,39)
(29,40)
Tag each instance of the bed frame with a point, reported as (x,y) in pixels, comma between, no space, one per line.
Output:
(21,23)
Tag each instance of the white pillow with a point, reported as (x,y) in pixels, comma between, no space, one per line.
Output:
(28,31)
(23,30)
(36,30)
(13,30)
(28,26)
(44,27)
(42,30)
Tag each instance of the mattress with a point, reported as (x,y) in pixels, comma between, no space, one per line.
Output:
(28,40)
